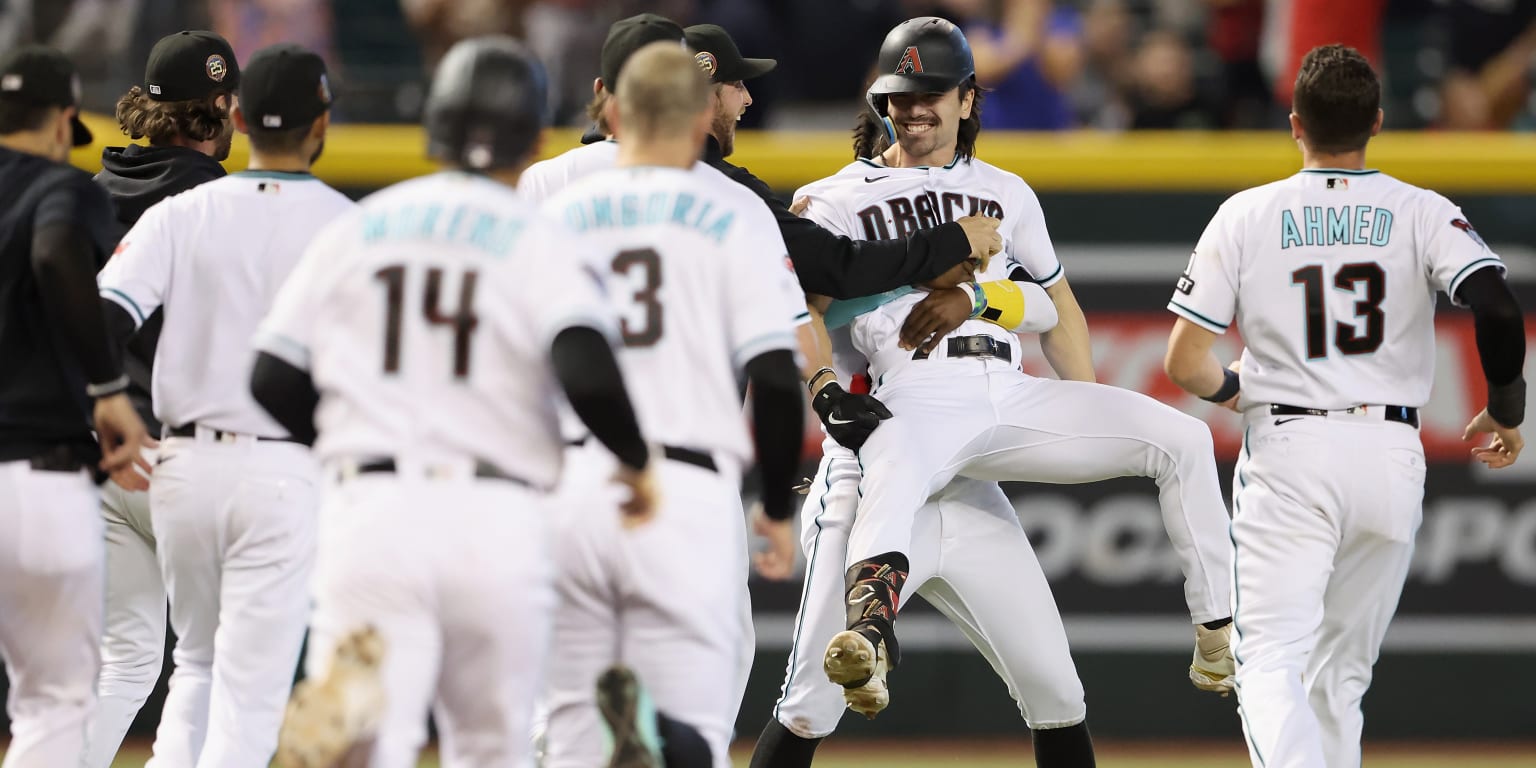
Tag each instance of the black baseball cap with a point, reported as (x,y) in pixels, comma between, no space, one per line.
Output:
(284,86)
(719,57)
(191,64)
(629,35)
(43,77)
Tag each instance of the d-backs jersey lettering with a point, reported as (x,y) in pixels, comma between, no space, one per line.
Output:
(425,319)
(698,273)
(867,201)
(1335,274)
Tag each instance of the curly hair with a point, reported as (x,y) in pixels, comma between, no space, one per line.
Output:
(163,122)
(1336,99)
(870,137)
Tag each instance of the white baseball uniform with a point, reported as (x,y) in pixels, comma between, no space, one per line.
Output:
(425,319)
(547,178)
(946,434)
(698,271)
(1330,275)
(232,500)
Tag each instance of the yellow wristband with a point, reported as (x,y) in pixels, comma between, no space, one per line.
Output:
(1005,304)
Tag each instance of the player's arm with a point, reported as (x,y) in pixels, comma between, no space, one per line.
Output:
(1500,332)
(589,375)
(287,393)
(1066,346)
(64,261)
(1015,303)
(833,265)
(848,417)
(134,281)
(1192,365)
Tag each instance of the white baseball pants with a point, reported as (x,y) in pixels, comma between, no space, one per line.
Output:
(959,537)
(666,599)
(455,573)
(50,611)
(1324,516)
(235,525)
(984,419)
(133,640)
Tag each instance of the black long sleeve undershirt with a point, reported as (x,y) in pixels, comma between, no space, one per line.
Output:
(842,268)
(64,263)
(1500,333)
(589,374)
(778,424)
(288,394)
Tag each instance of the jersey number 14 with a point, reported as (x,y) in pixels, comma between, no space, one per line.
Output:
(462,320)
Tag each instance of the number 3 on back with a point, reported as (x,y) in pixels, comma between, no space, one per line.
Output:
(649,261)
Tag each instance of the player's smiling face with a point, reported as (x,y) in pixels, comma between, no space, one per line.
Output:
(731,102)
(928,124)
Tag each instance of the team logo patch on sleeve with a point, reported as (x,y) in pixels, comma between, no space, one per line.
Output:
(1466,226)
(911,63)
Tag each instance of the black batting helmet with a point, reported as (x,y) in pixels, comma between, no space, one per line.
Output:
(487,104)
(922,55)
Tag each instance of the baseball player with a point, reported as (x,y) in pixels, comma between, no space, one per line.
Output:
(446,289)
(697,270)
(234,497)
(1331,276)
(183,109)
(961,405)
(55,232)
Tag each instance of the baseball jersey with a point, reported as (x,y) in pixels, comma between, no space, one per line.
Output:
(546,178)
(868,201)
(425,319)
(213,258)
(698,273)
(1330,276)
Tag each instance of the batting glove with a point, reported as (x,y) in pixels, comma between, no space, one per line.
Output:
(849,418)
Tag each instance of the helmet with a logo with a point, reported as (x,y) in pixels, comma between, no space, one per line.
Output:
(922,55)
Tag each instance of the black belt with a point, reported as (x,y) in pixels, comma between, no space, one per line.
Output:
(57,459)
(1401,414)
(190,430)
(483,471)
(973,346)
(700,459)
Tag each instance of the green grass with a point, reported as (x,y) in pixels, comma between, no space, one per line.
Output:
(987,754)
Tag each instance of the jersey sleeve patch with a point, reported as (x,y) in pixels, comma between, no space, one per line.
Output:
(1466,226)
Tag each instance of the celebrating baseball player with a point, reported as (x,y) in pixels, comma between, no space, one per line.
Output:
(446,289)
(697,268)
(183,109)
(961,405)
(234,496)
(1331,275)
(60,371)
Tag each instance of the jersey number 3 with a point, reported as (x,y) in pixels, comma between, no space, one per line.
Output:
(648,331)
(463,320)
(1349,338)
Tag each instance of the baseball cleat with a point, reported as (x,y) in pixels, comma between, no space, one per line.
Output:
(630,719)
(860,667)
(330,719)
(1213,668)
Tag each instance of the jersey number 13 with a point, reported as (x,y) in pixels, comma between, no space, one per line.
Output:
(1348,338)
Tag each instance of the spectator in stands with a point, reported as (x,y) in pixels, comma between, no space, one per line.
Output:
(1030,54)
(1099,93)
(1492,49)
(1164,94)
(1233,34)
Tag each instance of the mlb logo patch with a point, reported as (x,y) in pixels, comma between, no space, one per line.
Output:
(1335,182)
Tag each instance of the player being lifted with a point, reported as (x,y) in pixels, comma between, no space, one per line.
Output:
(1331,277)
(961,405)
(696,266)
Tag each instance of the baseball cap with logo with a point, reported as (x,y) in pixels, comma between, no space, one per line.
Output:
(43,77)
(284,86)
(719,57)
(629,35)
(189,65)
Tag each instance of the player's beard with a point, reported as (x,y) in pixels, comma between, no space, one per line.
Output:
(724,131)
(222,143)
(924,145)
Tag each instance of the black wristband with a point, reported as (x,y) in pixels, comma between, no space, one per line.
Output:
(1230,385)
(1506,403)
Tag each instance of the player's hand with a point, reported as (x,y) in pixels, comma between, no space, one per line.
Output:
(799,205)
(123,438)
(644,495)
(777,561)
(982,233)
(934,317)
(849,418)
(1503,449)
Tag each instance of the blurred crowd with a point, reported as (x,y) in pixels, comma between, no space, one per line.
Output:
(1053,64)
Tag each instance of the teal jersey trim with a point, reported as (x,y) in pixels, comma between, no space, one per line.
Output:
(1345,171)
(843,311)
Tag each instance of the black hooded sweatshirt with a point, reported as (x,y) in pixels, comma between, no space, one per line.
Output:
(137,177)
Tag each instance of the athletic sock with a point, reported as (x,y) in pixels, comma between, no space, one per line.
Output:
(1069,747)
(779,748)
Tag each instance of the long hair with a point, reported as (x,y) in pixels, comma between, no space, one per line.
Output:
(165,121)
(870,136)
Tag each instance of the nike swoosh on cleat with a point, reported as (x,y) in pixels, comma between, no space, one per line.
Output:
(1278,422)
(868,180)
